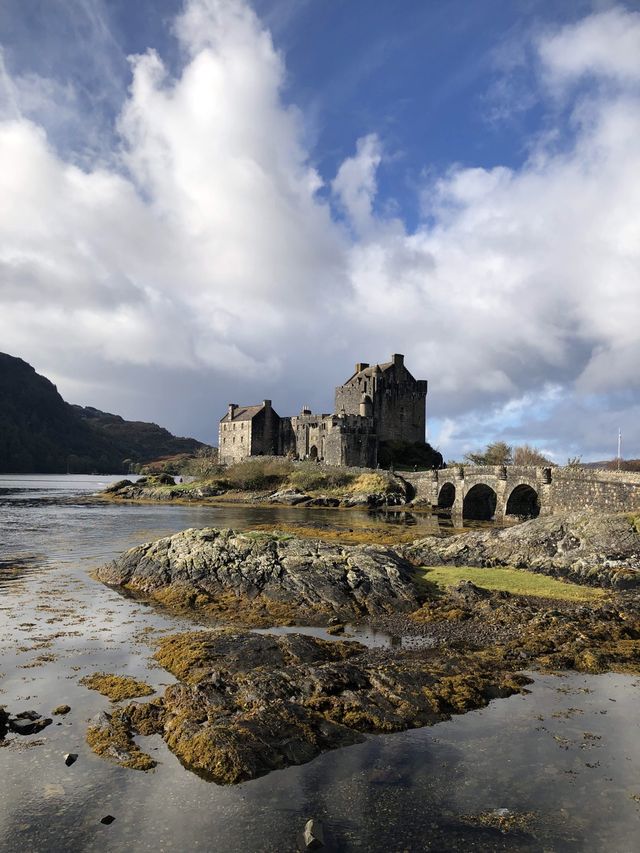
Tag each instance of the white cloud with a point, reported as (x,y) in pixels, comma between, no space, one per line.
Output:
(210,248)
(355,183)
(605,44)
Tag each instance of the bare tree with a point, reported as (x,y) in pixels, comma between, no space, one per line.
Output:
(496,453)
(527,455)
(204,464)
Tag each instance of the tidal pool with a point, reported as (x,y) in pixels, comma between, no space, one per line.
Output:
(566,756)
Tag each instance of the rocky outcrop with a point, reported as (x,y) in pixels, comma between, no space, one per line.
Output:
(258,578)
(249,703)
(600,550)
(159,487)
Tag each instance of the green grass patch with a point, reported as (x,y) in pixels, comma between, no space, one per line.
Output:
(515,581)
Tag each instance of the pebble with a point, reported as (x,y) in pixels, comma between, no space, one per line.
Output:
(313,835)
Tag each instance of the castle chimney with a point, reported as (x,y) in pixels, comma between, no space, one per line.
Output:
(360,365)
(266,404)
(231,410)
(397,359)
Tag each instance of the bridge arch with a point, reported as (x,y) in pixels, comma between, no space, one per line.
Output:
(446,496)
(523,501)
(480,503)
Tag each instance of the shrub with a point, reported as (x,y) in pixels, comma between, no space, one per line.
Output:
(258,474)
(309,476)
(374,483)
(402,454)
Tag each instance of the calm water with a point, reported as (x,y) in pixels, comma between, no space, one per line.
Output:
(569,752)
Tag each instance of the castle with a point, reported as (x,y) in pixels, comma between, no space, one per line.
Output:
(380,402)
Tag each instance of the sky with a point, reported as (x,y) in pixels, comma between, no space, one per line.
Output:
(211,201)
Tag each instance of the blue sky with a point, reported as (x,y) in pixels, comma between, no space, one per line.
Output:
(213,200)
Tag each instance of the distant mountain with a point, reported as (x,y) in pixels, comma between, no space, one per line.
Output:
(40,433)
(612,465)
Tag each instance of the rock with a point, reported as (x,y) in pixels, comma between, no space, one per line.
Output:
(28,724)
(116,487)
(258,578)
(356,500)
(323,500)
(110,736)
(4,722)
(107,819)
(61,709)
(291,497)
(468,592)
(313,835)
(70,758)
(587,547)
(28,715)
(246,703)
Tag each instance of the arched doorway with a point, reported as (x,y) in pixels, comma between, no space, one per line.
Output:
(479,503)
(447,496)
(523,502)
(313,452)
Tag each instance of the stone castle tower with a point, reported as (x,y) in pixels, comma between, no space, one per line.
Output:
(390,395)
(380,402)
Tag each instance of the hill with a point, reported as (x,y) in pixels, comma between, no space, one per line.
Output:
(41,433)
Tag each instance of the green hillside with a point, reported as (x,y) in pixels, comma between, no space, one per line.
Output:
(41,433)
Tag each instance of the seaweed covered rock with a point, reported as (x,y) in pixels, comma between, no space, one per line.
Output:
(248,703)
(535,632)
(601,550)
(257,578)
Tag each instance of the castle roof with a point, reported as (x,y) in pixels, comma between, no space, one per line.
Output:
(243,413)
(371,370)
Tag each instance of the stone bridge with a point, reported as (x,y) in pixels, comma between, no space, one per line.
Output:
(493,492)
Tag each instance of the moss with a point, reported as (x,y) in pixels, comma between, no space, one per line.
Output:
(461,693)
(345,536)
(634,520)
(116,687)
(114,741)
(257,612)
(186,655)
(617,656)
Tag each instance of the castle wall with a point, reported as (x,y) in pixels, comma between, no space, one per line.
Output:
(399,407)
(234,441)
(265,432)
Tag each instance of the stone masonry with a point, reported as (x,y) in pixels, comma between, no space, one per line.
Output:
(380,402)
(486,492)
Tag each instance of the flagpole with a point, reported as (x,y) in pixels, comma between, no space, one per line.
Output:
(619,445)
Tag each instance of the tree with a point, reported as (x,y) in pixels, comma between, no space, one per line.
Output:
(527,455)
(204,464)
(496,453)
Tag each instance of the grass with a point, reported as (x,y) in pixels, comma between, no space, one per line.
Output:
(515,581)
